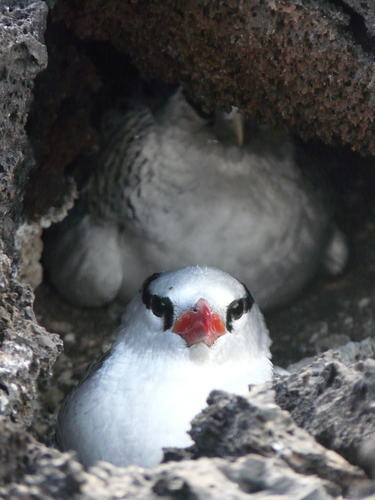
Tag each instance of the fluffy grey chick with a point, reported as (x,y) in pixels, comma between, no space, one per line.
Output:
(170,191)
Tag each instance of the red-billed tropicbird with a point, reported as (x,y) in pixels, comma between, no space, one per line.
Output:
(184,334)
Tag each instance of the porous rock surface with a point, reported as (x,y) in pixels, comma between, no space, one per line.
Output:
(27,350)
(54,475)
(305,66)
(328,388)
(366,10)
(59,126)
(22,56)
(234,426)
(257,448)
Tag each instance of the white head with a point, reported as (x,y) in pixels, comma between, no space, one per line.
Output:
(198,312)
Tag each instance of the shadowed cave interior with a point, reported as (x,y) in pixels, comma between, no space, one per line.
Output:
(83,79)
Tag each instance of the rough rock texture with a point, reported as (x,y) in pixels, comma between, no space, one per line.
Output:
(366,14)
(26,349)
(295,65)
(22,56)
(32,470)
(59,126)
(20,454)
(234,426)
(350,353)
(279,460)
(58,476)
(333,402)
(28,242)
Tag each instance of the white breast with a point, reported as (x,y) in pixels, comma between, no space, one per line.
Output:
(136,405)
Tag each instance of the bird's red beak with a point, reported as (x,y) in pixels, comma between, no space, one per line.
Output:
(200,324)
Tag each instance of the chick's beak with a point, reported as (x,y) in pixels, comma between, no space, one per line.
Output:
(200,324)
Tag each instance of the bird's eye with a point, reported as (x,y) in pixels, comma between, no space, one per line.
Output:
(158,306)
(237,309)
(162,307)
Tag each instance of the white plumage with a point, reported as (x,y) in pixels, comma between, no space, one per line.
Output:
(170,192)
(145,391)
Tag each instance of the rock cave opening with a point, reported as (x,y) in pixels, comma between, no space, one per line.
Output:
(83,79)
(302,75)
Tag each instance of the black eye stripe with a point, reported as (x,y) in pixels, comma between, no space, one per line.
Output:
(145,290)
(237,308)
(158,305)
(161,307)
